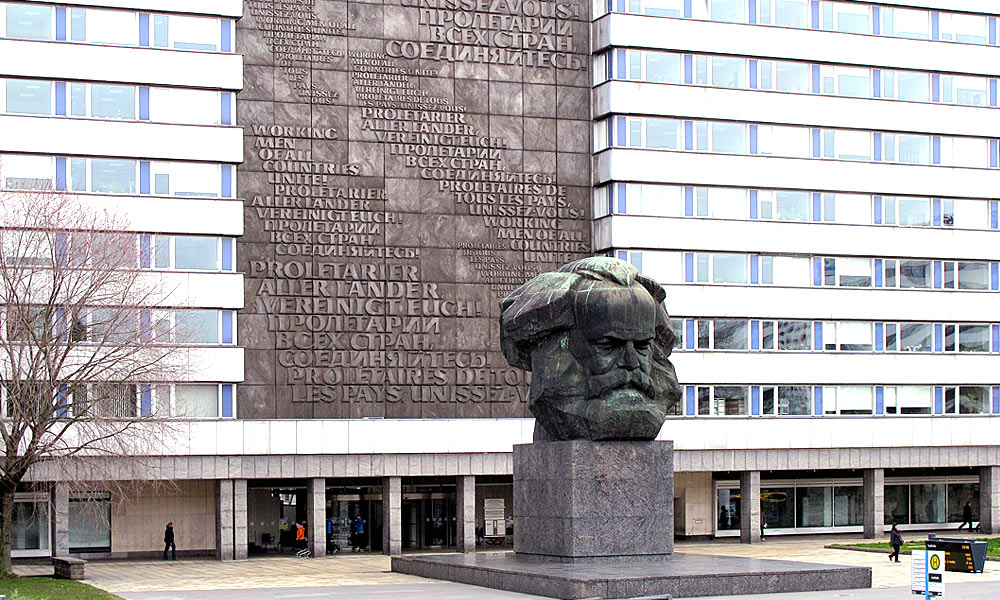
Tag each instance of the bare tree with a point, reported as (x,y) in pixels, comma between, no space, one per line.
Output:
(78,352)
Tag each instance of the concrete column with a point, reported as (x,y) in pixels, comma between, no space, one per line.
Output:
(874,493)
(465,509)
(989,499)
(231,519)
(316,516)
(60,519)
(392,516)
(750,517)
(224,535)
(240,531)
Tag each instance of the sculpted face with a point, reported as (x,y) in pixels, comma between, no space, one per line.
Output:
(596,379)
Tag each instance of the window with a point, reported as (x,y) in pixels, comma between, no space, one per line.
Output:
(788,271)
(657,8)
(973,276)
(651,199)
(196,326)
(964,90)
(90,522)
(903,148)
(928,502)
(730,138)
(196,400)
(973,338)
(197,180)
(964,152)
(662,67)
(913,399)
(853,400)
(29,21)
(727,72)
(784,13)
(846,81)
(678,327)
(794,335)
(19,172)
(28,322)
(29,97)
(779,140)
(30,523)
(186,33)
(814,506)
(906,23)
(849,336)
(908,212)
(731,400)
(198,253)
(112,101)
(106,400)
(906,85)
(848,505)
(721,203)
(914,273)
(965,28)
(729,11)
(783,76)
(847,272)
(848,17)
(112,325)
(112,176)
(846,144)
(915,337)
(730,334)
(794,399)
(96,26)
(729,268)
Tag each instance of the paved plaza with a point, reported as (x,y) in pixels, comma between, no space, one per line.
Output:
(367,576)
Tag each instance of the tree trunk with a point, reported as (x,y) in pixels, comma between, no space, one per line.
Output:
(6,523)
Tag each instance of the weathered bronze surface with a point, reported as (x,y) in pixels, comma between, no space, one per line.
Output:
(597,340)
(408,164)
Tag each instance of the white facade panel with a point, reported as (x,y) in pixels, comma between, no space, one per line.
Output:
(208,290)
(217,365)
(216,216)
(88,137)
(152,66)
(621,164)
(757,106)
(255,438)
(830,368)
(698,234)
(688,35)
(831,303)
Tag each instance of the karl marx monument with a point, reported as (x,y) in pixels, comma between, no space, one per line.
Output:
(593,493)
(593,486)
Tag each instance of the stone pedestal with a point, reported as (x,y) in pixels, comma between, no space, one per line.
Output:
(583,501)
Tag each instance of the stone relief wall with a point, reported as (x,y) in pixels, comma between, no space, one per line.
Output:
(407,164)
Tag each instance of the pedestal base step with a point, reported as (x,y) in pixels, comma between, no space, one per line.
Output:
(683,576)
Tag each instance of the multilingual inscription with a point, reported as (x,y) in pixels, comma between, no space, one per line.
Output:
(407,165)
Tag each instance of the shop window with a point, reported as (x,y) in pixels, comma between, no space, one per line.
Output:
(777,506)
(729,509)
(897,504)
(928,502)
(90,522)
(958,495)
(30,525)
(814,506)
(848,506)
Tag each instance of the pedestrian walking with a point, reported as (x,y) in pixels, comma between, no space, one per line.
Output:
(168,541)
(300,536)
(966,516)
(895,540)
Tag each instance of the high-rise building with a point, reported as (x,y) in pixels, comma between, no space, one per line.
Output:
(814,184)
(342,191)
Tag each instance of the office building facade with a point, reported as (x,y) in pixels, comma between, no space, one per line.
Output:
(341,192)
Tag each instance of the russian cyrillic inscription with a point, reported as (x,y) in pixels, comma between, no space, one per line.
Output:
(407,165)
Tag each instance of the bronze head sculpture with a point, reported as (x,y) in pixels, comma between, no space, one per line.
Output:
(597,339)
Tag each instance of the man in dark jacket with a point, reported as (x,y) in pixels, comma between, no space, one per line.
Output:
(896,541)
(966,516)
(168,541)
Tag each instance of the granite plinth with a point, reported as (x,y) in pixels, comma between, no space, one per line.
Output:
(584,501)
(682,576)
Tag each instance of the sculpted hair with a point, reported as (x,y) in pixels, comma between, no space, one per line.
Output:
(544,305)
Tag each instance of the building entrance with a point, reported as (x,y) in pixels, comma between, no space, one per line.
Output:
(428,515)
(345,502)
